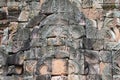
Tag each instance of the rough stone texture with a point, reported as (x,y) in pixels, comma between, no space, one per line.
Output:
(59,40)
(59,67)
(59,78)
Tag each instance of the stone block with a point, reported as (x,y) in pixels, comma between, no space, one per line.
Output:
(92,69)
(16,70)
(51,7)
(87,3)
(35,5)
(3,15)
(59,78)
(15,59)
(30,66)
(33,53)
(29,78)
(76,67)
(62,52)
(77,31)
(76,77)
(3,3)
(57,31)
(77,55)
(44,66)
(111,45)
(22,34)
(24,16)
(77,43)
(93,32)
(43,77)
(106,71)
(91,56)
(37,42)
(12,78)
(116,62)
(47,50)
(116,77)
(55,41)
(94,77)
(107,77)
(2,70)
(13,6)
(16,46)
(13,28)
(93,44)
(105,56)
(3,57)
(59,67)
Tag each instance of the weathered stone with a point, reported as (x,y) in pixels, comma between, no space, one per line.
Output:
(77,43)
(29,78)
(36,41)
(30,66)
(93,69)
(94,77)
(16,59)
(35,5)
(111,46)
(93,44)
(93,32)
(106,71)
(62,64)
(59,78)
(77,55)
(105,68)
(60,41)
(94,14)
(116,63)
(2,70)
(55,6)
(47,50)
(13,28)
(77,31)
(55,41)
(3,15)
(16,46)
(13,6)
(92,56)
(3,57)
(22,34)
(62,52)
(24,15)
(11,78)
(36,20)
(44,66)
(76,77)
(3,3)
(87,3)
(5,38)
(116,77)
(44,77)
(105,56)
(17,70)
(76,67)
(33,53)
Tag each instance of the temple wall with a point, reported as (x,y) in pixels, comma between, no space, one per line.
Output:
(59,40)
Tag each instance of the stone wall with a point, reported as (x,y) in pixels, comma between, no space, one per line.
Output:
(59,40)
